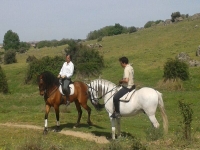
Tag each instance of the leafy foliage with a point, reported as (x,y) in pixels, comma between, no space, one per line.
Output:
(87,61)
(54,43)
(23,47)
(3,82)
(11,40)
(31,58)
(150,23)
(132,29)
(175,68)
(107,31)
(175,15)
(10,57)
(187,113)
(45,64)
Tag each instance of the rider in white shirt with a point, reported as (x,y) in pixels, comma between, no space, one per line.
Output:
(66,73)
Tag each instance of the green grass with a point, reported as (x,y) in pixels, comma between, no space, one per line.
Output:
(147,50)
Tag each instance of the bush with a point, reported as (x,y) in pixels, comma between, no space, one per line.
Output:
(31,58)
(132,29)
(3,82)
(175,15)
(187,114)
(88,62)
(174,69)
(36,67)
(10,57)
(148,24)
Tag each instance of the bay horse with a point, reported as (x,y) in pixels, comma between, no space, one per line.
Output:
(49,88)
(144,100)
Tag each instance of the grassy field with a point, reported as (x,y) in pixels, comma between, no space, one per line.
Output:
(147,50)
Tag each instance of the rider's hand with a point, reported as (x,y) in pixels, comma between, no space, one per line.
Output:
(64,76)
(120,82)
(58,76)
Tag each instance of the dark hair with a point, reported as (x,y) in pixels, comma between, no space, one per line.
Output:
(69,56)
(123,60)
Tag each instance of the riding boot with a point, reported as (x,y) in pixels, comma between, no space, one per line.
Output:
(116,113)
(67,97)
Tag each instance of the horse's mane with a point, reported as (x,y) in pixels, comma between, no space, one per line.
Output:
(104,81)
(49,78)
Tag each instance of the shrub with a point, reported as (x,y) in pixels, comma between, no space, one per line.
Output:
(99,39)
(148,24)
(175,15)
(174,69)
(10,57)
(46,63)
(187,113)
(88,62)
(132,29)
(3,82)
(31,58)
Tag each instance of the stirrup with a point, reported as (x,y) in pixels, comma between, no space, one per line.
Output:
(115,115)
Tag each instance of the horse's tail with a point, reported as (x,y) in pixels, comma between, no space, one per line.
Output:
(163,113)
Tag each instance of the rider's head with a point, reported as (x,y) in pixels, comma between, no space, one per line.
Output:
(68,58)
(123,60)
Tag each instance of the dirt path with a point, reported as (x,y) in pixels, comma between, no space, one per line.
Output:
(87,136)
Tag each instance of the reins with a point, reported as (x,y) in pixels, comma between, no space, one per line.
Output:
(51,93)
(98,98)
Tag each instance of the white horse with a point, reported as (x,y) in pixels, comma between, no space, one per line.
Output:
(143,100)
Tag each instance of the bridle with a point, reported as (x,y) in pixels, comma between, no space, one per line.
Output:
(96,99)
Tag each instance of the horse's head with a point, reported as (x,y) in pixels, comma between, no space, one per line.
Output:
(41,85)
(47,81)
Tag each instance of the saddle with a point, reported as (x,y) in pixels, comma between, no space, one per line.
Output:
(127,96)
(71,91)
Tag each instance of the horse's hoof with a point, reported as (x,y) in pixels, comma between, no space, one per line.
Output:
(90,123)
(76,125)
(57,129)
(45,131)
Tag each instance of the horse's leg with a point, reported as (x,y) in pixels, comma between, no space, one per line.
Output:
(154,121)
(56,107)
(47,109)
(86,107)
(78,107)
(118,127)
(112,120)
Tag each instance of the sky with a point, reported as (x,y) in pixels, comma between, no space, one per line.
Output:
(37,20)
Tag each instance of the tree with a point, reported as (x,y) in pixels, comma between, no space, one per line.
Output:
(23,47)
(148,24)
(132,29)
(11,40)
(10,57)
(88,62)
(175,15)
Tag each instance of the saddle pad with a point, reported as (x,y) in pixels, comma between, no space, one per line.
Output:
(71,86)
(127,96)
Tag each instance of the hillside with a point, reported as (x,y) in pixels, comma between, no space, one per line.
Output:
(147,50)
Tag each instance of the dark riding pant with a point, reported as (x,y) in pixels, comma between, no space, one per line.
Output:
(65,86)
(117,96)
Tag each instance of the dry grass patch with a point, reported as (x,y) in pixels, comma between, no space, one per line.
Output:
(170,84)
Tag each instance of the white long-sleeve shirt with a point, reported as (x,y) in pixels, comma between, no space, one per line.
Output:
(67,69)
